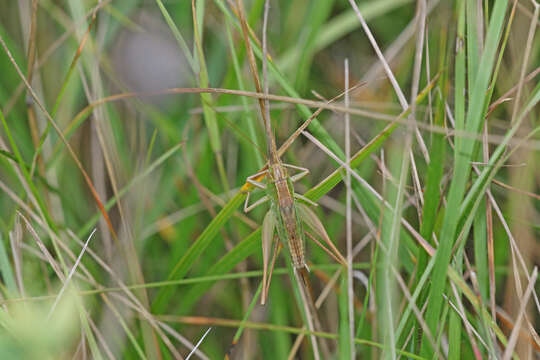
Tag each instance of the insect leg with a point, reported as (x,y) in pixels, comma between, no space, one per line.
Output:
(303,172)
(305,199)
(313,222)
(251,179)
(326,250)
(255,204)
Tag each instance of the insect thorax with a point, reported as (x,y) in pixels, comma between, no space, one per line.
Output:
(278,172)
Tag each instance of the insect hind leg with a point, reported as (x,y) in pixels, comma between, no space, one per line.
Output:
(251,179)
(305,199)
(255,204)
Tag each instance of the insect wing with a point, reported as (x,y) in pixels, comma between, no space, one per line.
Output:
(313,222)
(267,235)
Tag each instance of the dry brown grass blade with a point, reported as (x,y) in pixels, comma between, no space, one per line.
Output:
(84,39)
(306,123)
(508,323)
(513,188)
(506,96)
(512,340)
(489,230)
(271,143)
(43,248)
(249,51)
(250,30)
(492,139)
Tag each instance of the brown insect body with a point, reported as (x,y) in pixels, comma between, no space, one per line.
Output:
(290,225)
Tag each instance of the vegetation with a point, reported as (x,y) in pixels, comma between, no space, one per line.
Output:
(128,129)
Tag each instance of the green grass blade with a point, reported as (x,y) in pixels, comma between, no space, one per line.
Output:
(463,159)
(207,102)
(339,26)
(247,315)
(480,251)
(314,19)
(344,345)
(197,248)
(250,120)
(432,195)
(5,269)
(241,251)
(179,38)
(497,158)
(26,173)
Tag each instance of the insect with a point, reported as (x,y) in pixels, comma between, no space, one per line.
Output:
(288,210)
(284,214)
